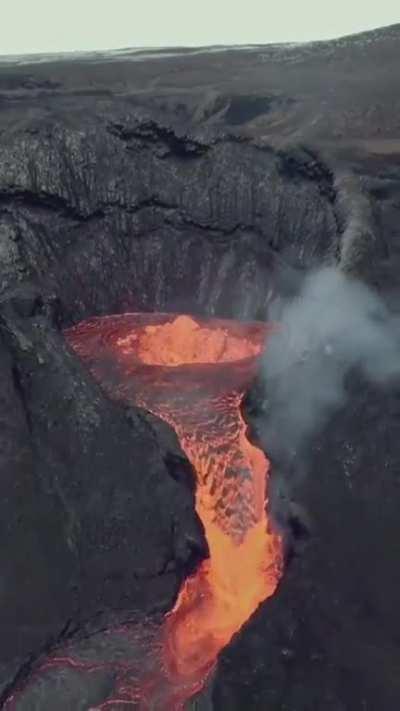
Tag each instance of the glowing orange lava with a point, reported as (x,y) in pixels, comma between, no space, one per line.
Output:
(193,373)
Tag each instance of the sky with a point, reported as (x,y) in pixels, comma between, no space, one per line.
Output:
(64,25)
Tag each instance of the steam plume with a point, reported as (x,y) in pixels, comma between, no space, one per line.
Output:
(335,324)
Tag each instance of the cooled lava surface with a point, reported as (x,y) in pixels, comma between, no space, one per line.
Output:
(193,373)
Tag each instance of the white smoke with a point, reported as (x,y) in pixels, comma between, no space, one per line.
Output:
(334,325)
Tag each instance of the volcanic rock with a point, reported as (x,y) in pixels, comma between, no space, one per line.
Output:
(97,514)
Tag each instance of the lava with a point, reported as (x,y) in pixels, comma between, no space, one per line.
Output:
(193,373)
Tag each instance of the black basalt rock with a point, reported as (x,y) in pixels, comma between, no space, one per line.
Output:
(93,517)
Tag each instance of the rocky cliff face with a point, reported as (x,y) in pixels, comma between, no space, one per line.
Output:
(206,182)
(121,216)
(97,512)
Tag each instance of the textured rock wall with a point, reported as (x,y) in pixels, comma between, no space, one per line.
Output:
(97,513)
(113,221)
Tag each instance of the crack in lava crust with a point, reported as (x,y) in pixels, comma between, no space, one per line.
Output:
(193,373)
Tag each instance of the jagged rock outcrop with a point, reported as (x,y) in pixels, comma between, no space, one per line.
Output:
(97,508)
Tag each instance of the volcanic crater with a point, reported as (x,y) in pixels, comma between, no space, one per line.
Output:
(150,232)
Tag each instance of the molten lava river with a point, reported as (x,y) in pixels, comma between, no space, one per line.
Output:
(193,373)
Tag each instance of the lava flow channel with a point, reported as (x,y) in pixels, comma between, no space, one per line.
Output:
(193,373)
